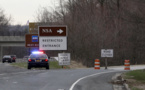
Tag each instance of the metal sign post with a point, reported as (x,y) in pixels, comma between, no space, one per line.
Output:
(106,63)
(1,54)
(106,53)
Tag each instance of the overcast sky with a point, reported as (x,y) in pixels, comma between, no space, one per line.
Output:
(23,10)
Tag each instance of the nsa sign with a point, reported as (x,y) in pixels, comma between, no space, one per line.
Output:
(52,38)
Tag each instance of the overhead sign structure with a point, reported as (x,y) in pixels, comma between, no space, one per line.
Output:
(107,53)
(64,58)
(52,38)
(31,40)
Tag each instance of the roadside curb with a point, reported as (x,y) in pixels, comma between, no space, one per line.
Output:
(119,83)
(126,86)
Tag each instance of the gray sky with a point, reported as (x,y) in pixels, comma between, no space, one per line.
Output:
(23,10)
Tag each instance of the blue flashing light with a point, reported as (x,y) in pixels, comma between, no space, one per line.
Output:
(37,52)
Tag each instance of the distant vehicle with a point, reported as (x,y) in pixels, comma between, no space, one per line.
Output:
(38,59)
(7,58)
(13,58)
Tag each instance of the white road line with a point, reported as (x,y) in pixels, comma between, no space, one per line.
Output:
(73,85)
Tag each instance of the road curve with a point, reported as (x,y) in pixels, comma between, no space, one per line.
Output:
(98,81)
(12,78)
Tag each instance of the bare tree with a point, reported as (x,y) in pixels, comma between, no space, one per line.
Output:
(4,22)
(103,24)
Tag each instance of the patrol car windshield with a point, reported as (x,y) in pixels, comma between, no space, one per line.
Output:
(38,56)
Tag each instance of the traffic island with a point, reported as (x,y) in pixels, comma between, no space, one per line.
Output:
(119,83)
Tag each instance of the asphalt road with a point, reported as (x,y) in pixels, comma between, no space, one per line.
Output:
(13,78)
(96,82)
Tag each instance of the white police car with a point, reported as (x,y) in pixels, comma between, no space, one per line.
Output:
(38,59)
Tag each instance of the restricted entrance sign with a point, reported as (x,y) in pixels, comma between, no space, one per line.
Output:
(52,43)
(52,37)
(107,53)
(64,58)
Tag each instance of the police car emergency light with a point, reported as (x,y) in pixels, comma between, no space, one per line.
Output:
(37,52)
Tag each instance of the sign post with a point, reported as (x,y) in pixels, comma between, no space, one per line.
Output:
(106,63)
(106,53)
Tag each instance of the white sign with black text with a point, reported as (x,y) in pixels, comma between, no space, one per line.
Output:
(64,58)
(52,43)
(106,52)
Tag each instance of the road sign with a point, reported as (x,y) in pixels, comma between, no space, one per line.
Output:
(33,27)
(64,58)
(34,38)
(31,40)
(52,43)
(52,31)
(107,53)
(52,38)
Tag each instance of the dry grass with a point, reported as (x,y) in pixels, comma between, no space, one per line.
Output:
(135,85)
(135,79)
(75,65)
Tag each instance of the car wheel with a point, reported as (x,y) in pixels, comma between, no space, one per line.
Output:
(3,62)
(10,61)
(47,67)
(29,67)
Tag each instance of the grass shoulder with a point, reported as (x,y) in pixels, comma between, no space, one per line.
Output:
(135,79)
(20,64)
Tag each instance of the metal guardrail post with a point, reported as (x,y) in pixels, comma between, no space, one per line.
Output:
(1,53)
